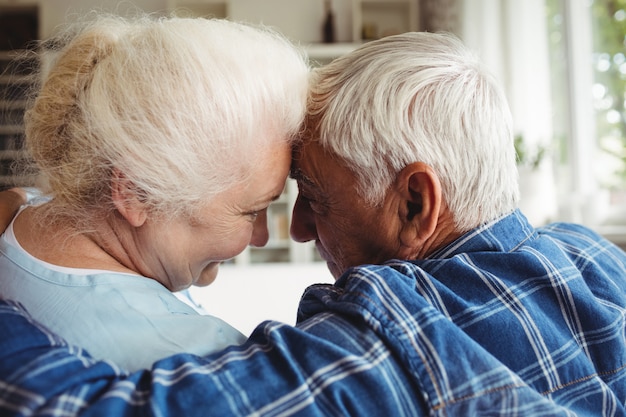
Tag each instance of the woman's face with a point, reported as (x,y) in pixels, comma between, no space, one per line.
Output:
(181,253)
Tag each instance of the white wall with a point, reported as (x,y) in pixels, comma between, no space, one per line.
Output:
(53,13)
(298,19)
(244,296)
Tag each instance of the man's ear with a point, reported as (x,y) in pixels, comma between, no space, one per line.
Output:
(420,188)
(126,200)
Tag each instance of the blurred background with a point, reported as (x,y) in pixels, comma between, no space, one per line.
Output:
(562,63)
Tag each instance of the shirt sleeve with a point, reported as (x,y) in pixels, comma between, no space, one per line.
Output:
(332,365)
(280,370)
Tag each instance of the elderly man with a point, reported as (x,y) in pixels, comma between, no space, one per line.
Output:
(406,164)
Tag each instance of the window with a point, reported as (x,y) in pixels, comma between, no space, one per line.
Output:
(587,43)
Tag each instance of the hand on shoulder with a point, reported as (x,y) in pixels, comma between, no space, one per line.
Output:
(10,202)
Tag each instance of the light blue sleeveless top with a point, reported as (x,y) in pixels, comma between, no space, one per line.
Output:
(128,319)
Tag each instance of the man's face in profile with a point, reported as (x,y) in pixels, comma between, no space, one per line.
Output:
(347,231)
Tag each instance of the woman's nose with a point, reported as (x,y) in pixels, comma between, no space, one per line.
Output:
(260,234)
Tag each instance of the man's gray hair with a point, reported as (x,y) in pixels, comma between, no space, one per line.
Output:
(419,97)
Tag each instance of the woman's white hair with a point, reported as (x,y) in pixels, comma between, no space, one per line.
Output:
(419,97)
(173,104)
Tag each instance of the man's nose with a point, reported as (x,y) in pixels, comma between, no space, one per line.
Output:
(302,221)
(260,234)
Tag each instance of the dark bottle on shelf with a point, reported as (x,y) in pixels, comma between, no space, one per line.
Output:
(328,29)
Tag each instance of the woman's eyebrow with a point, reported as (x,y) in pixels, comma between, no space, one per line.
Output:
(268,200)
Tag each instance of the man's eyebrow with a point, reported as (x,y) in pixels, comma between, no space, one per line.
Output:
(298,175)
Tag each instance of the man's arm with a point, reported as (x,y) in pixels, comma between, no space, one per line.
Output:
(10,202)
(335,365)
(280,371)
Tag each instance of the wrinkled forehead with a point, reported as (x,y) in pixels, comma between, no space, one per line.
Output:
(297,152)
(310,161)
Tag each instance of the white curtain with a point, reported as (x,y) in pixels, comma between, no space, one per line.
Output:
(511,38)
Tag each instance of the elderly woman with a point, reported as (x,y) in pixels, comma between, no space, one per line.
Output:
(162,142)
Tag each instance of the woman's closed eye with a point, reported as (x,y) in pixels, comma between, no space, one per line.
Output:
(254,214)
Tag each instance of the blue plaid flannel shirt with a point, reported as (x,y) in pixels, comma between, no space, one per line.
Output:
(507,320)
